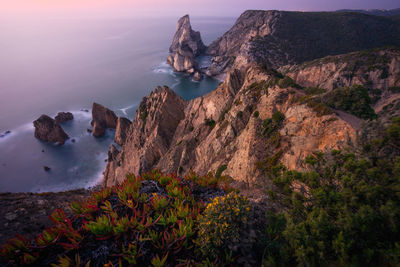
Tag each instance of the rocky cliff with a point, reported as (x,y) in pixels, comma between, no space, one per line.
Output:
(149,136)
(186,46)
(256,118)
(102,118)
(278,38)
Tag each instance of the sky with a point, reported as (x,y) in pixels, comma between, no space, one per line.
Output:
(165,8)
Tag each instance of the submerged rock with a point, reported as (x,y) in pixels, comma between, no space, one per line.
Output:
(5,133)
(48,130)
(103,118)
(64,117)
(185,47)
(121,130)
(46,168)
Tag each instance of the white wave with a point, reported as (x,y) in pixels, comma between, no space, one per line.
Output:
(82,114)
(164,68)
(98,177)
(127,108)
(24,128)
(93,181)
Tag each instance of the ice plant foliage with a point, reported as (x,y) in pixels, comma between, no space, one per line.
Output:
(146,221)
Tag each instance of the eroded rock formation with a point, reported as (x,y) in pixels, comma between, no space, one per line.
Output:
(151,134)
(48,130)
(64,117)
(185,47)
(102,118)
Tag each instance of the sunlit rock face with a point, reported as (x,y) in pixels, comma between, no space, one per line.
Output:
(185,47)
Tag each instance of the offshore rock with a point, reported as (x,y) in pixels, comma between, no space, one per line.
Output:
(64,117)
(48,130)
(102,118)
(185,47)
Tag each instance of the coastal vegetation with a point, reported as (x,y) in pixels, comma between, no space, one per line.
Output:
(343,211)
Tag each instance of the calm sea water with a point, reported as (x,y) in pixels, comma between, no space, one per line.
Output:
(65,65)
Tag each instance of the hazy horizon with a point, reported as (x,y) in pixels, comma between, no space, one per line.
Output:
(158,8)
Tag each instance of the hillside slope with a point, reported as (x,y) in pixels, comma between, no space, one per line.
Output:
(278,38)
(254,118)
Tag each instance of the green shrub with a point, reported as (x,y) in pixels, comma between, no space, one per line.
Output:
(354,100)
(349,218)
(272,124)
(287,82)
(147,220)
(314,90)
(222,225)
(256,114)
(210,123)
(219,171)
(393,131)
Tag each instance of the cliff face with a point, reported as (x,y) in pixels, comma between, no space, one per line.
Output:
(236,126)
(185,47)
(148,137)
(278,38)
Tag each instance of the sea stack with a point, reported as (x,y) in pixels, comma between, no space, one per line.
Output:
(48,130)
(185,47)
(64,117)
(102,118)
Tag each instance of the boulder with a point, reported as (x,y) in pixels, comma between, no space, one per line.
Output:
(48,130)
(102,118)
(121,130)
(64,117)
(197,76)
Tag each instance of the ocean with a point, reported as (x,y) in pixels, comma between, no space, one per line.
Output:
(56,65)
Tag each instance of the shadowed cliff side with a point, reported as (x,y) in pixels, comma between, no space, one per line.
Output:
(277,38)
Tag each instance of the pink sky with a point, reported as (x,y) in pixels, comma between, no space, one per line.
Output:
(113,8)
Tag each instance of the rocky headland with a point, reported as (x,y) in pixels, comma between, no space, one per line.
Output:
(231,126)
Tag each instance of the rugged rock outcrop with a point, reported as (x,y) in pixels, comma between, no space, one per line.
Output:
(64,117)
(150,136)
(233,125)
(48,130)
(102,118)
(278,38)
(185,47)
(121,131)
(377,69)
